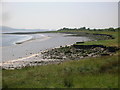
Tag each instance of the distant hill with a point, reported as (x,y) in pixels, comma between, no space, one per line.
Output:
(6,29)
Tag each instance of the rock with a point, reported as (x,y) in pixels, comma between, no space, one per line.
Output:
(36,56)
(105,54)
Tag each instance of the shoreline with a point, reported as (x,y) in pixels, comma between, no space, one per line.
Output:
(30,61)
(21,59)
(28,41)
(38,45)
(25,60)
(23,38)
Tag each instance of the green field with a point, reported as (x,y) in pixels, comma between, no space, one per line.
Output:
(98,72)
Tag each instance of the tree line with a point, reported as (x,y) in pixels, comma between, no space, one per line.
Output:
(84,28)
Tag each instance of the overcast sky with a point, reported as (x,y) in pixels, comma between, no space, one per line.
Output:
(55,15)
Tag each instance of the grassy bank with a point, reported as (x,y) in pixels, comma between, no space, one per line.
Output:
(98,72)
(109,42)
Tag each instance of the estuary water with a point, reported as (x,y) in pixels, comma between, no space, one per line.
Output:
(17,46)
(12,39)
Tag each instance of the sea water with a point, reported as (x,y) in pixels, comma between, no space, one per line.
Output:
(13,39)
(8,40)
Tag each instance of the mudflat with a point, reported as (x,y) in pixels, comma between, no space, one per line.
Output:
(31,50)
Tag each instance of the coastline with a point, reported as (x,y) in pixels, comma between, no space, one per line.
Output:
(24,40)
(99,50)
(14,39)
(27,61)
(32,57)
(37,59)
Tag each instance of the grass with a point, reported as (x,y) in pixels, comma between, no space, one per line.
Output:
(111,42)
(99,72)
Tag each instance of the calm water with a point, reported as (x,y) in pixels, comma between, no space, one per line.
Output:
(38,45)
(12,39)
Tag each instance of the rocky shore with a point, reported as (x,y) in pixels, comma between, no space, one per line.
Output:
(77,52)
(61,54)
(66,53)
(29,63)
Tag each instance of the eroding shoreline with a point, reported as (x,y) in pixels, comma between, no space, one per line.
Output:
(60,54)
(76,52)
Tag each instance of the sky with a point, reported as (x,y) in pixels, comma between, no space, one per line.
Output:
(56,15)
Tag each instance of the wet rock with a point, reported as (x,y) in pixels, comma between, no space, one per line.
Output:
(105,54)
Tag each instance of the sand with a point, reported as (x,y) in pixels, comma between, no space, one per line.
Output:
(31,50)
